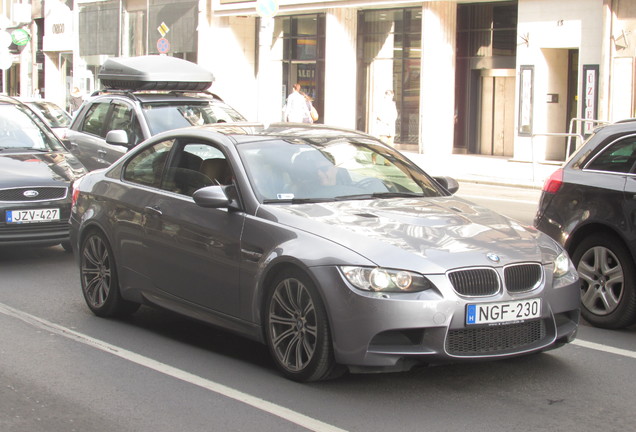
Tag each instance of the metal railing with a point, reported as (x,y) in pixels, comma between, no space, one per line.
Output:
(549,134)
(579,121)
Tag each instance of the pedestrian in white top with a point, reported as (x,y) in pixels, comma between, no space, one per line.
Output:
(296,109)
(385,119)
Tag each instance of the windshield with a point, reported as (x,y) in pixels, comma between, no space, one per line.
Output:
(162,117)
(300,171)
(21,129)
(53,115)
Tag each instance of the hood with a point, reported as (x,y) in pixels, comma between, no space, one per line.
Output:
(428,234)
(38,168)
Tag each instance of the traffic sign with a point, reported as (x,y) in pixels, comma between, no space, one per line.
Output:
(266,8)
(163,45)
(6,59)
(5,39)
(20,37)
(163,29)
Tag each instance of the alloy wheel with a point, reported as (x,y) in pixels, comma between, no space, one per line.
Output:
(96,271)
(602,280)
(293,325)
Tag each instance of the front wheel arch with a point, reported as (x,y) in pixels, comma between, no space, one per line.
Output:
(301,352)
(99,276)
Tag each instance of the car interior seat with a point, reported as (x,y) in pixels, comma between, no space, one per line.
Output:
(217,170)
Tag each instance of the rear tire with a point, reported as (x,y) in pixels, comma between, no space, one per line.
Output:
(608,284)
(98,273)
(297,328)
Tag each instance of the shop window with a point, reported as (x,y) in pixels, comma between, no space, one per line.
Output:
(389,57)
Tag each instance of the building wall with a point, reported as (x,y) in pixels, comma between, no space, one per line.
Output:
(437,95)
(546,31)
(340,73)
(245,57)
(227,47)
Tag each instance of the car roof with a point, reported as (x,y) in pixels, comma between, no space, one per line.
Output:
(160,96)
(9,100)
(247,132)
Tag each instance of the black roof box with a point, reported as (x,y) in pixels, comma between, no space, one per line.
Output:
(154,72)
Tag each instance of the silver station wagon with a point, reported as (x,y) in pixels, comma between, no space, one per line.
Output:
(328,246)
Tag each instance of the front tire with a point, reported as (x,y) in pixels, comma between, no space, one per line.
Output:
(297,328)
(98,274)
(607,274)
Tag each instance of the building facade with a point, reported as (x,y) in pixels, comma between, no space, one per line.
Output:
(519,79)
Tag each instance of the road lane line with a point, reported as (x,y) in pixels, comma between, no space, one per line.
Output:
(258,403)
(604,348)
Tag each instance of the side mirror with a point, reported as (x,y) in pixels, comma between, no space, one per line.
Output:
(117,137)
(213,197)
(448,183)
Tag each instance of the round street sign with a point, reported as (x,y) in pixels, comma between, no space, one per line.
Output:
(6,59)
(20,37)
(5,39)
(266,8)
(163,45)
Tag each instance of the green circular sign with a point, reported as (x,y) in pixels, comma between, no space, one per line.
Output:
(20,37)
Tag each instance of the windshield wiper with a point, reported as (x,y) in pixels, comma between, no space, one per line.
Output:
(298,200)
(23,148)
(379,195)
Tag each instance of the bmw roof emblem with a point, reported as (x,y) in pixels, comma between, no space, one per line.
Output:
(493,257)
(30,193)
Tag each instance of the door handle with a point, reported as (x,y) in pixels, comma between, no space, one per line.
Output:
(153,209)
(101,152)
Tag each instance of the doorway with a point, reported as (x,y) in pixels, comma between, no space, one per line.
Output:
(497,109)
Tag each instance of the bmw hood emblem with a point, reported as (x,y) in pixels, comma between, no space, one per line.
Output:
(493,257)
(30,193)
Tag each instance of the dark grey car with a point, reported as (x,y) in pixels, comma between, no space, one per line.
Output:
(589,206)
(325,244)
(36,173)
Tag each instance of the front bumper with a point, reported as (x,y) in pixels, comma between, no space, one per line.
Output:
(41,233)
(396,331)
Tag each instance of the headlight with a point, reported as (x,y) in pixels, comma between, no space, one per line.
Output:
(386,280)
(562,265)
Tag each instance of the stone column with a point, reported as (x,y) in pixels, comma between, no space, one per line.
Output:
(340,68)
(437,94)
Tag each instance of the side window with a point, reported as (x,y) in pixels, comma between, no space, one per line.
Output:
(618,157)
(147,167)
(95,119)
(195,166)
(124,118)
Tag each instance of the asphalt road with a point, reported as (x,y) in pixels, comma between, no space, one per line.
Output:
(63,369)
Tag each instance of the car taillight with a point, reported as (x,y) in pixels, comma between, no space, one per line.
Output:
(75,193)
(553,184)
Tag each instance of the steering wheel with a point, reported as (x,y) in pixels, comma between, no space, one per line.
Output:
(372,184)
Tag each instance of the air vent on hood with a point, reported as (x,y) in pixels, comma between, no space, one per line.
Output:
(366,215)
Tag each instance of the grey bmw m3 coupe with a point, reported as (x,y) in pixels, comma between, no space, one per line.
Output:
(331,248)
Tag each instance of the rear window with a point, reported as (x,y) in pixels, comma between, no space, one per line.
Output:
(617,157)
(162,117)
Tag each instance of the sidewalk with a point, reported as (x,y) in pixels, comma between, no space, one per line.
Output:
(486,169)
